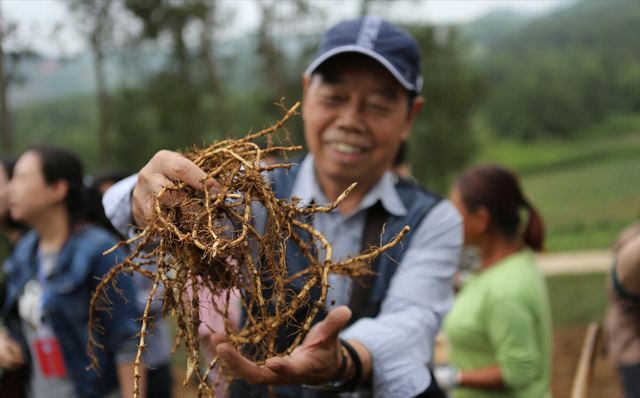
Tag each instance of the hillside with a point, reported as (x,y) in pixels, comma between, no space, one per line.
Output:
(586,191)
(557,75)
(564,111)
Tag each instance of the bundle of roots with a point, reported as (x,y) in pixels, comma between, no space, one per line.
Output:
(207,241)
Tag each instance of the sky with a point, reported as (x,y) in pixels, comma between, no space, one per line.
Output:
(43,25)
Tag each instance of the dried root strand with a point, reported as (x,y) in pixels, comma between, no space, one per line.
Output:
(209,242)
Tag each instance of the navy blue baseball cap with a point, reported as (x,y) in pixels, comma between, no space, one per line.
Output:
(388,44)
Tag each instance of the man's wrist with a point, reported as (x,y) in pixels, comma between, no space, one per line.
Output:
(349,374)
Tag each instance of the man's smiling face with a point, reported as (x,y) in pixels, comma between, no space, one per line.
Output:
(356,116)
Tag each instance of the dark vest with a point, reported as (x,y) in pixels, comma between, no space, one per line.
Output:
(418,201)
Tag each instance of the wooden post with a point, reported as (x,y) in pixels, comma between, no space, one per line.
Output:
(584,372)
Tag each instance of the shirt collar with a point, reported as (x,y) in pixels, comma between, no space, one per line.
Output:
(307,188)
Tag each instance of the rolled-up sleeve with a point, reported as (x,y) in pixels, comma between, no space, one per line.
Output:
(401,338)
(117,205)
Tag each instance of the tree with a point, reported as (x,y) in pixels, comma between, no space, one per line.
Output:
(175,92)
(5,127)
(210,25)
(442,132)
(97,23)
(284,52)
(9,62)
(559,74)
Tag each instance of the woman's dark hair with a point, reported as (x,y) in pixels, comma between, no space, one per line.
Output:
(8,162)
(82,203)
(108,175)
(498,189)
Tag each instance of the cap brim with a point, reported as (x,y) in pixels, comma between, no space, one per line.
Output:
(351,48)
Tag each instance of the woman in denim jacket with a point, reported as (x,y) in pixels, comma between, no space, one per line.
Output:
(51,276)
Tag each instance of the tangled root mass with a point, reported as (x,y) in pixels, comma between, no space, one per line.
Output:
(208,241)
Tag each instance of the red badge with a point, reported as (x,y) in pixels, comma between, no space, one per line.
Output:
(49,357)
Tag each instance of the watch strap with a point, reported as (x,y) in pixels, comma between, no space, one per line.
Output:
(337,386)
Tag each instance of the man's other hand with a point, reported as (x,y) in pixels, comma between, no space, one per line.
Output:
(317,360)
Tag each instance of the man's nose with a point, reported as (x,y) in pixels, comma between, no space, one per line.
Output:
(351,118)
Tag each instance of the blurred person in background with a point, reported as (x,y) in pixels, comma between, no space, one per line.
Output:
(11,229)
(157,356)
(500,324)
(51,276)
(105,178)
(622,323)
(213,323)
(10,381)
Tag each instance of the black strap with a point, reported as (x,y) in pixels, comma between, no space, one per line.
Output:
(376,217)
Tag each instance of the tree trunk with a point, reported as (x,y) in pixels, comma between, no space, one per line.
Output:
(208,52)
(267,47)
(97,43)
(104,148)
(5,125)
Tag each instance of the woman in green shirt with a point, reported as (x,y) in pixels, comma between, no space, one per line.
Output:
(500,325)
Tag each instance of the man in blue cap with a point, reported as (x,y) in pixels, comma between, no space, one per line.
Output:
(360,100)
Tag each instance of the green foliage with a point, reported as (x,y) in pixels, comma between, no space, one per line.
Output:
(441,141)
(493,27)
(586,191)
(552,154)
(586,206)
(560,74)
(199,96)
(183,102)
(577,300)
(613,125)
(70,122)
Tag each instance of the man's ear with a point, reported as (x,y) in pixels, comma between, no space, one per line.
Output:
(416,106)
(59,190)
(482,219)
(306,81)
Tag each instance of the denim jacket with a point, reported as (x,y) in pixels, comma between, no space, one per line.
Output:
(66,306)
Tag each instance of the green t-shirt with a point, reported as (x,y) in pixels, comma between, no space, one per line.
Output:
(502,316)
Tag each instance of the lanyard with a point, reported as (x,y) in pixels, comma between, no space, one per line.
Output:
(41,275)
(43,286)
(43,279)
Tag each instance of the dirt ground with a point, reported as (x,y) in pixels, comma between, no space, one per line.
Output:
(567,346)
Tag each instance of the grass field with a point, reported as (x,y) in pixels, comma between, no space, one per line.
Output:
(577,300)
(586,191)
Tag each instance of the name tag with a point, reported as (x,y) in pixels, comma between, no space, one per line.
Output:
(49,357)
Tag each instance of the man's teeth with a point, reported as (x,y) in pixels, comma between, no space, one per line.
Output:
(346,148)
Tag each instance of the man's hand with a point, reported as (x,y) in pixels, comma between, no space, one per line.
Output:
(10,352)
(317,360)
(164,167)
